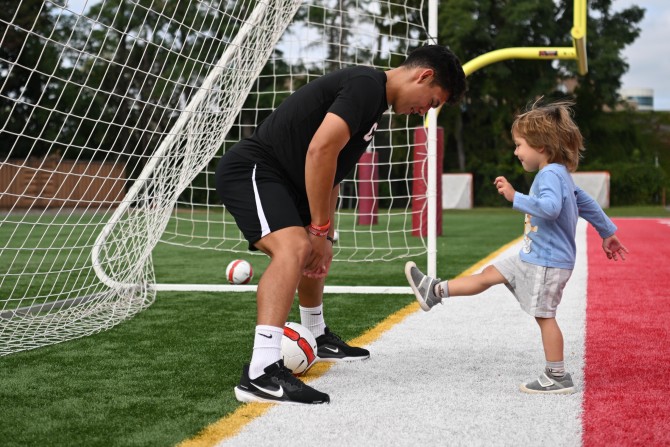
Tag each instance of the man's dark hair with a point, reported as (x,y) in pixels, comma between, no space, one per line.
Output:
(448,70)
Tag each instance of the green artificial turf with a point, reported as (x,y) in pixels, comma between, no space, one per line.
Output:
(162,376)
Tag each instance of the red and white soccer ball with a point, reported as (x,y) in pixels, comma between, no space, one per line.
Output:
(298,348)
(239,271)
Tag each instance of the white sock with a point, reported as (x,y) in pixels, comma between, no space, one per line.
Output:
(556,369)
(312,319)
(267,349)
(441,289)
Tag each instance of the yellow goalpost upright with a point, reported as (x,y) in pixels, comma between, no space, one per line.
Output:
(577,51)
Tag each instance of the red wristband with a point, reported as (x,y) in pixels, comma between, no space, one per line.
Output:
(325,227)
(316,232)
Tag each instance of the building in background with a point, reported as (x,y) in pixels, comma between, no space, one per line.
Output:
(639,98)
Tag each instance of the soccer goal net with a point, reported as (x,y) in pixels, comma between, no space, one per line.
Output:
(114,113)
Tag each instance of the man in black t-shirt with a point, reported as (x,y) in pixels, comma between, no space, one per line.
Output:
(281,186)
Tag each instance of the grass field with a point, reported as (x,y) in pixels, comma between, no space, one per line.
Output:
(162,376)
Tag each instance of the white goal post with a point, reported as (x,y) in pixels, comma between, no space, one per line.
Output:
(113,116)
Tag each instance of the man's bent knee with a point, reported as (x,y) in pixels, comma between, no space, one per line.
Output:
(290,243)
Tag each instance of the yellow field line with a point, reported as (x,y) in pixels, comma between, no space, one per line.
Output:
(229,426)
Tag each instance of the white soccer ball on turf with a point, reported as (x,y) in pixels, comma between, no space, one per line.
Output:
(239,271)
(298,348)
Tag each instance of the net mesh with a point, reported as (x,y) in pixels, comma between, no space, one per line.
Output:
(114,114)
(120,93)
(375,210)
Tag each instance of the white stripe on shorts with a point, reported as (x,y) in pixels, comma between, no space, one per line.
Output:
(265,228)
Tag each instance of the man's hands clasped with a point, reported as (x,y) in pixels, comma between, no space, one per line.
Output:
(321,257)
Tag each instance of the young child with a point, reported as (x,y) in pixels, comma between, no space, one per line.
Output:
(546,140)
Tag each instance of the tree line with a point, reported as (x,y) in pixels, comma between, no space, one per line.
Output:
(632,146)
(113,85)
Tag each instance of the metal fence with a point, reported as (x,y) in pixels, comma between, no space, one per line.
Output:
(55,183)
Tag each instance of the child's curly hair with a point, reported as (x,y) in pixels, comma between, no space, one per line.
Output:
(550,126)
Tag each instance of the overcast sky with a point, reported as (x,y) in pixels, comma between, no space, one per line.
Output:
(648,57)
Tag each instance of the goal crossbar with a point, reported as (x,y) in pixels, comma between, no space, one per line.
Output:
(366,290)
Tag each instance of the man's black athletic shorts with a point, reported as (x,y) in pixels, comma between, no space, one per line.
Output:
(259,197)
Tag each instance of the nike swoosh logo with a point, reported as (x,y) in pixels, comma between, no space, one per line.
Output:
(316,314)
(335,350)
(275,393)
(266,336)
(371,133)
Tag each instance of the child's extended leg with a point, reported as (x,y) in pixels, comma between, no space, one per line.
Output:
(554,379)
(430,291)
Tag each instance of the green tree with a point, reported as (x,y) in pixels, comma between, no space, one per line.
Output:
(28,91)
(475,27)
(145,61)
(497,92)
(109,83)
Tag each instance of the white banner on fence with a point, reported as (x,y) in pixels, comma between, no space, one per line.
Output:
(596,184)
(456,191)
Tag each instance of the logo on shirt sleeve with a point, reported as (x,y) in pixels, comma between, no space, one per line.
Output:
(368,136)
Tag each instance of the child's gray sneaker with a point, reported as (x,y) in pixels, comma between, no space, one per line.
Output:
(423,286)
(548,384)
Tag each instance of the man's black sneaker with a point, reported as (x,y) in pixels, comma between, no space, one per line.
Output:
(331,348)
(278,385)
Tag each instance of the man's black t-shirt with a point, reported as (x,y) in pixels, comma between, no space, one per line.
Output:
(356,94)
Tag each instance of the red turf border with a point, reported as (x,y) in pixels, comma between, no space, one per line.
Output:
(627,370)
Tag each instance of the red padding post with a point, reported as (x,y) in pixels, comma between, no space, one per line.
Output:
(368,188)
(420,183)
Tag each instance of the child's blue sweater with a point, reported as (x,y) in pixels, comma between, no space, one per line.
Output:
(552,210)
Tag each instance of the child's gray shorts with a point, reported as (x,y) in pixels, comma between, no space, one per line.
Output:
(538,289)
